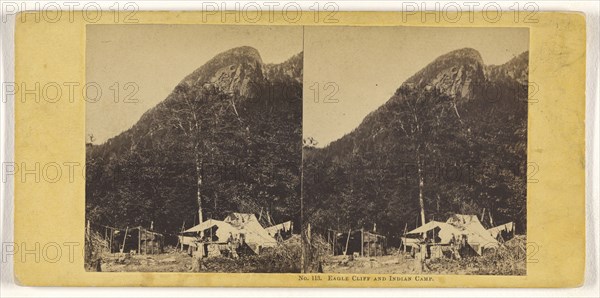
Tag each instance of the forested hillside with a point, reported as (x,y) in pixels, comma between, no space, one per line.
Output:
(228,138)
(453,138)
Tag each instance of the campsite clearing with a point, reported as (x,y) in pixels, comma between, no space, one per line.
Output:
(508,260)
(172,261)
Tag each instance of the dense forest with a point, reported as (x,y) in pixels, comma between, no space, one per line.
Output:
(227,138)
(452,139)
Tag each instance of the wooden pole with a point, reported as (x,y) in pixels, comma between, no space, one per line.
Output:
(334,241)
(375,243)
(139,241)
(329,240)
(403,239)
(482,215)
(347,240)
(368,248)
(124,238)
(362,242)
(180,237)
(112,233)
(385,244)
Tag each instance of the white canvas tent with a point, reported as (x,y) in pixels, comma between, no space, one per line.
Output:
(445,230)
(220,228)
(251,230)
(507,228)
(284,226)
(478,237)
(239,225)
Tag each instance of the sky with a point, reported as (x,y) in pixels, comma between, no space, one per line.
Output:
(155,58)
(361,67)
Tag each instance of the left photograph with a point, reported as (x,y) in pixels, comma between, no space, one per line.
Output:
(193,148)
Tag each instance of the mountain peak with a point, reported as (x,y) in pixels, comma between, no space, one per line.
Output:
(456,74)
(468,53)
(241,52)
(228,63)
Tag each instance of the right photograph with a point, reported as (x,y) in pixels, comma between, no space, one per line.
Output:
(415,150)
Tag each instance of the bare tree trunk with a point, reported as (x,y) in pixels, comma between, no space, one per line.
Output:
(421,188)
(198,161)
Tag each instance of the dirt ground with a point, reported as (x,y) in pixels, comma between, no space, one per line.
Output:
(405,264)
(284,258)
(508,259)
(391,264)
(173,261)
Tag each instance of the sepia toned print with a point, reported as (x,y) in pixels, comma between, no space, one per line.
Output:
(415,159)
(56,132)
(200,171)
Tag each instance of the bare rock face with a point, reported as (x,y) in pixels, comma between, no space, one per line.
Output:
(462,75)
(458,74)
(236,79)
(241,72)
(236,72)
